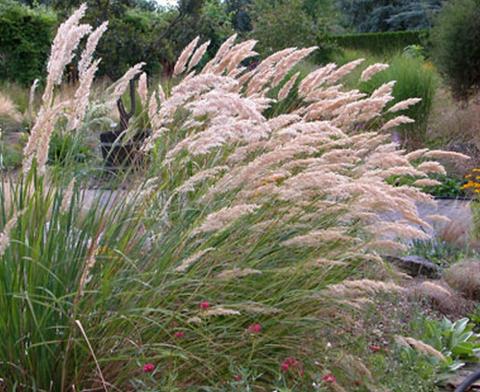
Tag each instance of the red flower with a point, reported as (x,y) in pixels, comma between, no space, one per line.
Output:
(179,334)
(254,328)
(148,368)
(204,305)
(329,378)
(374,348)
(237,377)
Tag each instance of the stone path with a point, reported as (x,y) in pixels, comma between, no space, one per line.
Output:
(108,198)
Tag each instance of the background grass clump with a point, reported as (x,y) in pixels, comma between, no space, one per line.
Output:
(414,79)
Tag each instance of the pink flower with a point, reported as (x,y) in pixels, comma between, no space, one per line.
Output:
(284,367)
(204,305)
(330,378)
(148,368)
(179,334)
(374,348)
(254,328)
(237,377)
(290,362)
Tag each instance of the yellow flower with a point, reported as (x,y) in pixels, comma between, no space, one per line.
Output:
(428,65)
(469,184)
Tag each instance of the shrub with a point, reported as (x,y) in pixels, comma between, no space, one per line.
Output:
(247,236)
(381,43)
(131,37)
(456,45)
(25,37)
(67,148)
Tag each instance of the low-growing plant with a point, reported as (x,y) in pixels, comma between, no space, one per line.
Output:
(406,371)
(443,186)
(437,251)
(415,51)
(456,340)
(10,156)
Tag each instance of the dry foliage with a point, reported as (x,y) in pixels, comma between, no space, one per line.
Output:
(8,109)
(457,126)
(465,278)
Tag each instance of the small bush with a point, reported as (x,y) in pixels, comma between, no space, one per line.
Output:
(67,148)
(456,45)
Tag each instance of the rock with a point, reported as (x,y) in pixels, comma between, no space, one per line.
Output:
(460,376)
(465,278)
(415,266)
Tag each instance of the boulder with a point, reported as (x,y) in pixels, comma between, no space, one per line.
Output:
(415,266)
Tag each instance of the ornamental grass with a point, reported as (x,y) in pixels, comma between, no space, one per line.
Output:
(246,235)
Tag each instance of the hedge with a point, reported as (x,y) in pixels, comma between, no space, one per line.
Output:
(25,39)
(381,42)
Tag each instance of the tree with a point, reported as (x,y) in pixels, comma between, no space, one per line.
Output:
(278,24)
(205,18)
(239,10)
(388,15)
(142,31)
